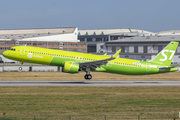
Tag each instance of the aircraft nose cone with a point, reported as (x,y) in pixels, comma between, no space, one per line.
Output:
(5,54)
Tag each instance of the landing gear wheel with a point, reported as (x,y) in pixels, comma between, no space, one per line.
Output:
(20,68)
(88,76)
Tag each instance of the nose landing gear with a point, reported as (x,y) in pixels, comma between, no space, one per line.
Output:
(20,68)
(88,76)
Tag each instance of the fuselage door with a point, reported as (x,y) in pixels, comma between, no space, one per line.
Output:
(148,67)
(22,51)
(109,63)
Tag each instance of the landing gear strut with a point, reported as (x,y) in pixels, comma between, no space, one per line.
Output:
(20,68)
(88,76)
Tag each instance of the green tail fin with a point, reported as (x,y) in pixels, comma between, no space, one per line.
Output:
(167,54)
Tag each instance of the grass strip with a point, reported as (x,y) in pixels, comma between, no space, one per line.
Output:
(42,102)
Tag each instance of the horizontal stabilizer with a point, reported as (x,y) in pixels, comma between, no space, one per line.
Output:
(168,68)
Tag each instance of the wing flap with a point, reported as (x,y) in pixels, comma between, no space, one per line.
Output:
(95,64)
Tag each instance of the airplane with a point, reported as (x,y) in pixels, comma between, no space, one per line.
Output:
(73,62)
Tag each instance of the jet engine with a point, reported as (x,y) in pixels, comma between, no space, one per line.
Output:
(71,67)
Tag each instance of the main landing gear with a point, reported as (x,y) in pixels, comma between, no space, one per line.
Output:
(88,76)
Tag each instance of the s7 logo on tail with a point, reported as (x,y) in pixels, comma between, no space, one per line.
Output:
(165,56)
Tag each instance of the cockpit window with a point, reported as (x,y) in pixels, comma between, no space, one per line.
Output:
(13,49)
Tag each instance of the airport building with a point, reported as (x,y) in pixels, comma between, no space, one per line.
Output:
(53,38)
(135,44)
(142,48)
(95,38)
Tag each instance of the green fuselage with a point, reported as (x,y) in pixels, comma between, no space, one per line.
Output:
(59,57)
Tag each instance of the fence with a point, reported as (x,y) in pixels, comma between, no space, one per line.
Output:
(98,117)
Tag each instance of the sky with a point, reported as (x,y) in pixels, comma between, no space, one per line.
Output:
(148,15)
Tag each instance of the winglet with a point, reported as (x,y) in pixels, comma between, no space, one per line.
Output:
(105,54)
(117,53)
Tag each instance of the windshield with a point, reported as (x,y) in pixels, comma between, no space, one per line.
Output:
(12,49)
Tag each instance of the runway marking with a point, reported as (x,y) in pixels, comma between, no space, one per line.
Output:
(89,83)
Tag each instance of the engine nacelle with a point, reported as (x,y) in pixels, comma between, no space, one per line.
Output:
(71,67)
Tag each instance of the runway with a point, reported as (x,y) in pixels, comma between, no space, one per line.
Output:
(88,83)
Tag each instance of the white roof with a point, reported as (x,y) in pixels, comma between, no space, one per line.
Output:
(38,31)
(111,31)
(171,32)
(49,34)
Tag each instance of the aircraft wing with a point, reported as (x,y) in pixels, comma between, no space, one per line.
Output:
(95,64)
(98,63)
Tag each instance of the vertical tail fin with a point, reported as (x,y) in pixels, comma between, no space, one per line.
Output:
(167,54)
